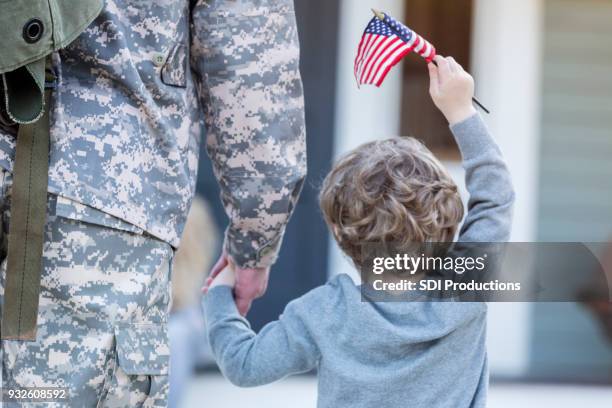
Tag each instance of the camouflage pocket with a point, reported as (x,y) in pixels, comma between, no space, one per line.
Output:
(142,348)
(174,71)
(137,374)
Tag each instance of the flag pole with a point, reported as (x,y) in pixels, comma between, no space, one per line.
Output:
(381,16)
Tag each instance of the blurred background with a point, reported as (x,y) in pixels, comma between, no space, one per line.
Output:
(544,69)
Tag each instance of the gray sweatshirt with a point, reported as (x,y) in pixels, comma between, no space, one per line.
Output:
(399,354)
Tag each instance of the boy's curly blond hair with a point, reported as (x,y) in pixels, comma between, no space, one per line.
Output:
(393,190)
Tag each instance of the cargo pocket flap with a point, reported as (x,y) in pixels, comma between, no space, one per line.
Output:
(73,210)
(142,349)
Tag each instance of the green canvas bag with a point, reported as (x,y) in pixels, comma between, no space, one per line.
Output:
(30,30)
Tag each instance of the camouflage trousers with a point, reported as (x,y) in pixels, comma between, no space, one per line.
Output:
(102,319)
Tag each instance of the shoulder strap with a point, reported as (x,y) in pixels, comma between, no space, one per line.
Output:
(26,229)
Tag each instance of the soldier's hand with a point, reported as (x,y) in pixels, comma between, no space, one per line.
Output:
(227,277)
(250,285)
(221,263)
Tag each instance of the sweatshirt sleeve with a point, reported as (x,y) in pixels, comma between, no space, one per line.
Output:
(488,182)
(247,359)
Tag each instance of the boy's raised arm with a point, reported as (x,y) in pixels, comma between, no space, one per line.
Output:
(487,178)
(489,216)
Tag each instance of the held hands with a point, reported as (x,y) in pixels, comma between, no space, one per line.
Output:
(227,277)
(248,283)
(451,89)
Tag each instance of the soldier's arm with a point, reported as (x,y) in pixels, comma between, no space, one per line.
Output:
(245,59)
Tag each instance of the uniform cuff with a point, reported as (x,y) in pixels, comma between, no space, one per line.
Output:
(245,254)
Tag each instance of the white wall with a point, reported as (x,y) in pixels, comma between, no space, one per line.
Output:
(367,113)
(506,64)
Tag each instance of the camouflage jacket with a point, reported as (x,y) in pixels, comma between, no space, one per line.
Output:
(133,93)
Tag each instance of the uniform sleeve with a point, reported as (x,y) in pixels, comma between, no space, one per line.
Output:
(245,60)
(281,348)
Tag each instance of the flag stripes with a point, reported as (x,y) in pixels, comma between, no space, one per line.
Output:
(384,43)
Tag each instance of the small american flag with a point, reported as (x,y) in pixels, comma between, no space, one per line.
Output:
(383,44)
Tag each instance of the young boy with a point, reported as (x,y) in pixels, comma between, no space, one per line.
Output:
(397,354)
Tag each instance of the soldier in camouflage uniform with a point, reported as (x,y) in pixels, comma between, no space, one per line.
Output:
(134,91)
